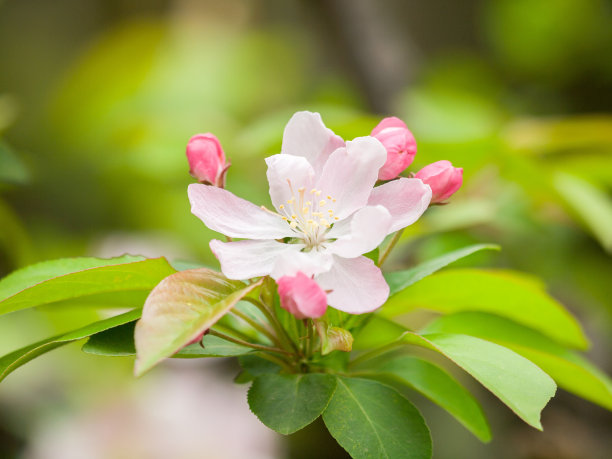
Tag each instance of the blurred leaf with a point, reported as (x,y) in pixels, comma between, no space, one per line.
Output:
(570,370)
(399,280)
(593,206)
(14,360)
(371,420)
(516,381)
(180,309)
(441,388)
(64,279)
(256,365)
(288,403)
(509,294)
(12,170)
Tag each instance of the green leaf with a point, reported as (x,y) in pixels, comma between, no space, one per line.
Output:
(516,381)
(399,280)
(570,370)
(255,365)
(441,388)
(15,359)
(180,309)
(590,204)
(371,420)
(509,294)
(119,341)
(288,403)
(70,278)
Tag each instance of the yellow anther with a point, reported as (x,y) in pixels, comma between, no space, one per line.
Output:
(301,189)
(305,209)
(336,218)
(329,197)
(281,207)
(330,212)
(284,218)
(308,203)
(324,222)
(291,201)
(334,200)
(313,191)
(322,202)
(318,193)
(293,216)
(293,225)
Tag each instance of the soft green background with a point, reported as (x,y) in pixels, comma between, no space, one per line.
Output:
(98,99)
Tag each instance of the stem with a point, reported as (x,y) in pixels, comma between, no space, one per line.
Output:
(259,347)
(257,326)
(394,241)
(375,353)
(277,360)
(280,330)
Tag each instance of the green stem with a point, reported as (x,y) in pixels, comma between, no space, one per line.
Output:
(259,347)
(277,360)
(281,333)
(257,326)
(392,243)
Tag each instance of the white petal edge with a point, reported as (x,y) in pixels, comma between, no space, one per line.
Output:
(350,174)
(305,135)
(286,175)
(247,259)
(310,263)
(406,199)
(357,285)
(368,227)
(228,214)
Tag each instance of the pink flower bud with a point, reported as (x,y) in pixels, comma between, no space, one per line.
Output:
(302,296)
(443,178)
(206,160)
(400,145)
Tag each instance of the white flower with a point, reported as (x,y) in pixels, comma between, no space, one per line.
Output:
(328,214)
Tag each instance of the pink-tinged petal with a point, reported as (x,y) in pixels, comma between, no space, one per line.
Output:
(286,175)
(350,174)
(386,123)
(357,285)
(368,228)
(302,296)
(443,178)
(310,263)
(228,214)
(247,259)
(406,199)
(305,135)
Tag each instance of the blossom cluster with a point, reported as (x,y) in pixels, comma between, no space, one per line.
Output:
(333,201)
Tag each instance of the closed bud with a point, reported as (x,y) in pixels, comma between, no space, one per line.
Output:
(443,178)
(302,296)
(206,160)
(400,145)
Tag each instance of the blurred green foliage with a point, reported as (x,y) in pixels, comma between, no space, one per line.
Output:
(98,100)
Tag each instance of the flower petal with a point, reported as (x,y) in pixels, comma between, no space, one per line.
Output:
(406,199)
(357,285)
(350,174)
(286,175)
(368,228)
(305,135)
(302,296)
(246,259)
(228,214)
(310,263)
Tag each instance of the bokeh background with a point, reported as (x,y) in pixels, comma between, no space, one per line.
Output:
(99,97)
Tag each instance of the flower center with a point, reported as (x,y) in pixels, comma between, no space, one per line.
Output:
(309,214)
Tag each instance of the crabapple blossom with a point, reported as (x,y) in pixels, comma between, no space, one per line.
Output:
(400,145)
(326,215)
(207,160)
(443,178)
